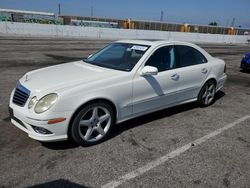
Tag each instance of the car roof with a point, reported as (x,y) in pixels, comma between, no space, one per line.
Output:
(153,42)
(156,43)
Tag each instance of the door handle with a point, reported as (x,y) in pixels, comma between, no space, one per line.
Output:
(175,77)
(204,70)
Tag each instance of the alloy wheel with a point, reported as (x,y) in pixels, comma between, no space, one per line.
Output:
(209,93)
(94,124)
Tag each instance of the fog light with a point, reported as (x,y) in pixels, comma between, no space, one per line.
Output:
(41,130)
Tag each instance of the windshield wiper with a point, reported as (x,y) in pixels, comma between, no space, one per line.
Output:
(93,63)
(98,64)
(104,65)
(87,61)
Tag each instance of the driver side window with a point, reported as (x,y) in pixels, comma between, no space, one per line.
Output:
(162,59)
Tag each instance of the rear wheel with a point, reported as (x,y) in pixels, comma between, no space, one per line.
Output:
(207,94)
(93,124)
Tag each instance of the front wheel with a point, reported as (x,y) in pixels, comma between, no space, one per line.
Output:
(93,124)
(207,94)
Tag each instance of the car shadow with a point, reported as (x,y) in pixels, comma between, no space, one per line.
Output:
(130,124)
(59,183)
(245,71)
(219,95)
(60,145)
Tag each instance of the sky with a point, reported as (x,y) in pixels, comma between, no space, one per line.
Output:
(181,11)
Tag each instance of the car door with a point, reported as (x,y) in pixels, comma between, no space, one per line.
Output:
(152,92)
(192,70)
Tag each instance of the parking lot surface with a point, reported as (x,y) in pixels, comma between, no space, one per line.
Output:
(222,160)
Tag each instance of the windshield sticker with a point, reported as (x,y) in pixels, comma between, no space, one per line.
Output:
(141,48)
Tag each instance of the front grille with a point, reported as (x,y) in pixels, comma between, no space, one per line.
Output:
(21,95)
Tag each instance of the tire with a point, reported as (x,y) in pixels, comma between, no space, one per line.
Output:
(207,93)
(93,124)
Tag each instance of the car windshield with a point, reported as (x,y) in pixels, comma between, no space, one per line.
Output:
(118,56)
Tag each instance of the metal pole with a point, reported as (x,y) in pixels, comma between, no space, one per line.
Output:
(59,9)
(92,11)
(162,14)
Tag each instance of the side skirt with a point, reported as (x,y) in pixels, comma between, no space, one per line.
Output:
(156,109)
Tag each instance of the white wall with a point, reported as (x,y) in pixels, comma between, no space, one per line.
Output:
(28,29)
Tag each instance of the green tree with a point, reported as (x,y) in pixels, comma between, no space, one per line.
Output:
(213,23)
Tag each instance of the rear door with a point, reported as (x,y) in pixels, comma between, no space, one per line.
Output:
(192,69)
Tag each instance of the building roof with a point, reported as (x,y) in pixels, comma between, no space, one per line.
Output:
(27,12)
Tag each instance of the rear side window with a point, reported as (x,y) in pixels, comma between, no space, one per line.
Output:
(188,56)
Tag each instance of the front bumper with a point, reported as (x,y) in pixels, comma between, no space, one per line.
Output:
(26,122)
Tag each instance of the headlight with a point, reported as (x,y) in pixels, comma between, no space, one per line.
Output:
(45,103)
(32,102)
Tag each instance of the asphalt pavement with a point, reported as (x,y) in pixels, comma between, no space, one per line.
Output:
(222,160)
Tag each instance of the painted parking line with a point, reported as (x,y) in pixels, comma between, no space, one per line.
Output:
(171,155)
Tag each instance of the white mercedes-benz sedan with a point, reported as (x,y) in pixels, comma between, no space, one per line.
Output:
(83,100)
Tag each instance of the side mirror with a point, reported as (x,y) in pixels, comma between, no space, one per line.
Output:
(90,56)
(149,70)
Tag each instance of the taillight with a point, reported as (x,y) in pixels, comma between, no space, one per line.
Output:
(225,68)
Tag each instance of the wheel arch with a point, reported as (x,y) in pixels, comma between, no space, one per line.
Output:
(211,79)
(112,104)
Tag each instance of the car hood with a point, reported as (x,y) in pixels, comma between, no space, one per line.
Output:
(64,75)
